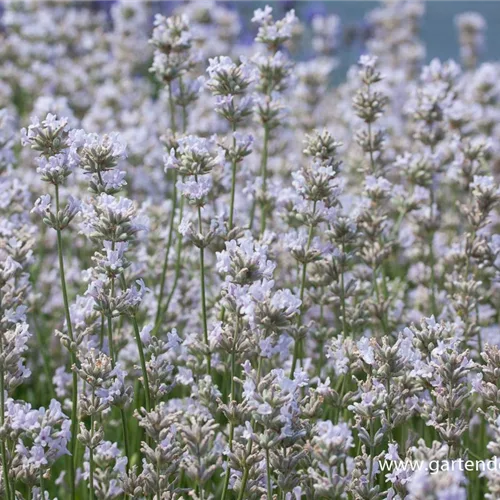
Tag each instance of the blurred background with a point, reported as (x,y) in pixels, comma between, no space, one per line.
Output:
(438,28)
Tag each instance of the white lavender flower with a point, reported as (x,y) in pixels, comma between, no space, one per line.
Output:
(285,283)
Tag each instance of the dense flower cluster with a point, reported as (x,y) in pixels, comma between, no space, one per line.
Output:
(227,278)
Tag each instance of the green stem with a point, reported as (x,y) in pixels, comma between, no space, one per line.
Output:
(228,468)
(372,160)
(372,454)
(172,107)
(6,479)
(42,486)
(91,465)
(125,438)
(181,211)
(203,294)
(158,478)
(297,346)
(433,274)
(268,470)
(122,411)
(143,363)
(252,214)
(46,360)
(91,453)
(101,333)
(244,480)
(388,410)
(397,226)
(231,423)
(167,252)
(74,401)
(377,293)
(184,110)
(110,341)
(431,248)
(233,182)
(177,262)
(265,154)
(246,469)
(342,292)
(263,173)
(172,216)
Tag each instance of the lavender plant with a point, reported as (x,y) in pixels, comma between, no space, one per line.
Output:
(224,276)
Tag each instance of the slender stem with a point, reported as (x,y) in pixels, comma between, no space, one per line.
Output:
(479,341)
(268,475)
(204,308)
(91,453)
(233,182)
(140,348)
(231,398)
(374,170)
(379,298)
(143,363)
(233,361)
(252,214)
(125,438)
(370,141)
(177,262)
(74,401)
(341,393)
(250,442)
(167,251)
(101,333)
(42,486)
(265,154)
(62,273)
(172,215)
(6,479)
(433,277)
(372,452)
(399,221)
(372,159)
(110,341)
(432,259)
(203,293)
(228,468)
(158,478)
(342,291)
(263,173)
(297,346)
(388,410)
(181,211)
(47,365)
(244,480)
(172,108)
(91,465)
(431,246)
(183,106)
(122,411)
(259,369)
